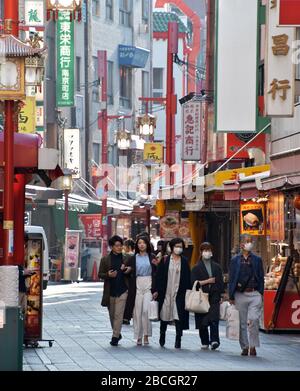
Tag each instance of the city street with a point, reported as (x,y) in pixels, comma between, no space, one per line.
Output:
(81,329)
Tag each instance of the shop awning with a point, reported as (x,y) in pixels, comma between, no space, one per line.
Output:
(25,150)
(39,193)
(231,190)
(281,182)
(248,190)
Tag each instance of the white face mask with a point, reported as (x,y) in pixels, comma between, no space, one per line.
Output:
(207,254)
(248,246)
(178,251)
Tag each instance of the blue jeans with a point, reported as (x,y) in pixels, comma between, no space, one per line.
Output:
(206,337)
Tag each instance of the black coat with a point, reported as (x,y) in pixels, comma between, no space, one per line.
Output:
(131,261)
(215,291)
(184,284)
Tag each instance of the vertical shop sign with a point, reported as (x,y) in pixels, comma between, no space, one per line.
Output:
(72,151)
(279,67)
(65,60)
(191,131)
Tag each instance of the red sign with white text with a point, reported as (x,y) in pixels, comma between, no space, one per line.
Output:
(91,225)
(289,313)
(289,13)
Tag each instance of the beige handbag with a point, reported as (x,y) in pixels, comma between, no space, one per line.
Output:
(196,301)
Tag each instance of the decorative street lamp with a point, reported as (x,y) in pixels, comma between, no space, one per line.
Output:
(70,5)
(146,124)
(123,139)
(67,182)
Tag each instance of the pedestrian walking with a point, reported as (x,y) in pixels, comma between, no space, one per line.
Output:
(173,278)
(246,288)
(143,277)
(209,275)
(115,273)
(128,251)
(128,248)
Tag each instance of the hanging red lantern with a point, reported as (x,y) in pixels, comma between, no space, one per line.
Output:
(297,202)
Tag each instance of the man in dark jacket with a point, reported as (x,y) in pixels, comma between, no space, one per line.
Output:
(114,271)
(246,289)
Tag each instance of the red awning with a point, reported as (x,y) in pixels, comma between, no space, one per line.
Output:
(231,191)
(25,151)
(248,190)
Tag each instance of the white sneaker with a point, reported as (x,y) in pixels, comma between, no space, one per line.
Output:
(204,347)
(214,345)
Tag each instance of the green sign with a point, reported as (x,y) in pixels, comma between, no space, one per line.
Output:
(65,60)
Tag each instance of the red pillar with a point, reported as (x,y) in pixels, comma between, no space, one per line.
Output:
(171,97)
(19,206)
(102,74)
(11,20)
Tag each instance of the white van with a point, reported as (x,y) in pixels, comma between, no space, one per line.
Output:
(34,231)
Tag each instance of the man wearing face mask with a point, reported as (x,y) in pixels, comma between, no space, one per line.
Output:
(210,277)
(246,288)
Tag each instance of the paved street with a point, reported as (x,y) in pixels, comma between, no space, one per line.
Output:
(80,327)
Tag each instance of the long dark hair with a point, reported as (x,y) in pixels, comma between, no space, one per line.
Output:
(147,241)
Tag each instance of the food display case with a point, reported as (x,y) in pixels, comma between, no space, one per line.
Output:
(281,310)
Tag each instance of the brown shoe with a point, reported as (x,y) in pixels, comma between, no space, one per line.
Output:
(245,352)
(252,352)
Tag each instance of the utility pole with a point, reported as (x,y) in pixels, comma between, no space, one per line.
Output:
(103,125)
(11,26)
(171,98)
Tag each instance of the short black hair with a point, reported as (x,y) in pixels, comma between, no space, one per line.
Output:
(143,234)
(147,241)
(114,239)
(175,241)
(206,246)
(129,243)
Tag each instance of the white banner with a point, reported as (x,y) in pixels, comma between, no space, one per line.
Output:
(236,75)
(72,150)
(191,131)
(34,13)
(279,67)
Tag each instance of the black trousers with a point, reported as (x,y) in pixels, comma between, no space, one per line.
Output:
(208,337)
(164,325)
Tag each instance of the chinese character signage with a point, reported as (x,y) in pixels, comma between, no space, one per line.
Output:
(72,150)
(153,153)
(27,116)
(252,218)
(288,12)
(65,60)
(191,131)
(236,66)
(279,67)
(91,224)
(34,13)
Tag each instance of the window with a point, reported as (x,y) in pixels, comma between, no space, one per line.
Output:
(158,80)
(145,11)
(96,152)
(96,8)
(125,87)
(110,83)
(109,10)
(95,87)
(78,73)
(125,12)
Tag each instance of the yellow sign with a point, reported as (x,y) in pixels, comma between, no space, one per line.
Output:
(216,180)
(153,153)
(252,218)
(27,116)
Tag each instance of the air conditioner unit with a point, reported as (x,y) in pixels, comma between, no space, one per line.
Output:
(143,28)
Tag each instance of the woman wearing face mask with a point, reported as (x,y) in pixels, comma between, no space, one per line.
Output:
(209,275)
(143,277)
(172,281)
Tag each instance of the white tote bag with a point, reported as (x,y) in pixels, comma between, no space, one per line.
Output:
(232,323)
(196,301)
(223,310)
(153,311)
